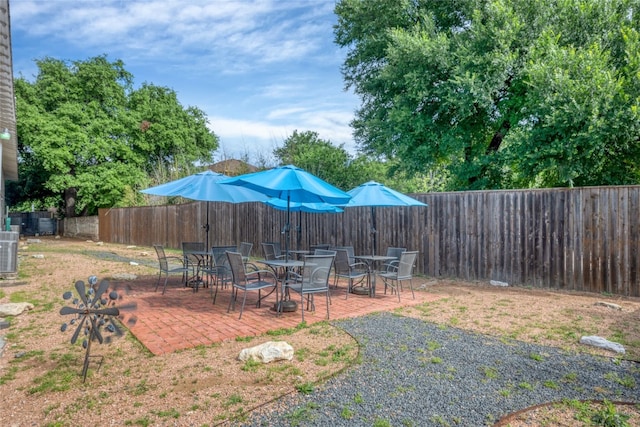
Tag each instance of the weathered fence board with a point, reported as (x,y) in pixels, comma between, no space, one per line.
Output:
(582,239)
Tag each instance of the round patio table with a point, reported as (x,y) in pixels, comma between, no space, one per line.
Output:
(371,261)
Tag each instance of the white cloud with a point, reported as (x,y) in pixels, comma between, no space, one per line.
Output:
(259,69)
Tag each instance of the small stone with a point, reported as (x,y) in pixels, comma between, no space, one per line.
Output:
(34,241)
(600,342)
(133,263)
(144,253)
(131,247)
(609,305)
(99,243)
(15,308)
(20,354)
(38,256)
(498,283)
(268,352)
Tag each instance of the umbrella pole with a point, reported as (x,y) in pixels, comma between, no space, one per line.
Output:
(286,241)
(206,229)
(299,230)
(374,231)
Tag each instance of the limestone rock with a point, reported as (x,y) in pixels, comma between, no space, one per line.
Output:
(498,283)
(268,352)
(609,305)
(14,308)
(602,343)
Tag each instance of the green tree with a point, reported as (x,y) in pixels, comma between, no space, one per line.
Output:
(499,93)
(336,166)
(87,140)
(308,151)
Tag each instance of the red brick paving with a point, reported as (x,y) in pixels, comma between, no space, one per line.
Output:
(182,319)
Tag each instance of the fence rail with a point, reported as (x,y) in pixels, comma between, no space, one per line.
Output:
(582,239)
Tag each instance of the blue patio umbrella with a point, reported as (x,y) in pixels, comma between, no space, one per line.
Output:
(303,207)
(374,194)
(206,187)
(292,184)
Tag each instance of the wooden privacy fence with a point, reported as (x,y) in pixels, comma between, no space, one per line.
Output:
(582,239)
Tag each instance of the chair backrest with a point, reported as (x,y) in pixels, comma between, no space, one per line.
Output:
(395,252)
(319,246)
(236,264)
(350,252)
(192,246)
(342,264)
(324,252)
(277,249)
(162,257)
(405,266)
(316,271)
(269,251)
(219,257)
(245,249)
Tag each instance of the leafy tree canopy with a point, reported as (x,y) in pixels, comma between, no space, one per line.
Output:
(497,93)
(87,139)
(336,166)
(308,151)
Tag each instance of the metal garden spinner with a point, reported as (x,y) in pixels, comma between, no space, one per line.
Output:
(94,315)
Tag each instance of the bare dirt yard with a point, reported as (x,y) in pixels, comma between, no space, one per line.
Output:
(40,381)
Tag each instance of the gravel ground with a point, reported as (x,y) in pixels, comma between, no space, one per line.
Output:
(415,373)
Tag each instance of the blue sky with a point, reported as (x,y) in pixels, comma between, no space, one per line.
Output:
(259,69)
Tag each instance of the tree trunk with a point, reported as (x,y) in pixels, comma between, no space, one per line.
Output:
(70,202)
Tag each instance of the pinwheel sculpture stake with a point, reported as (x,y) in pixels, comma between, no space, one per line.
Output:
(93,312)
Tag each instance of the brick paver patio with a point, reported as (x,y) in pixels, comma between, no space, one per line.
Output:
(182,319)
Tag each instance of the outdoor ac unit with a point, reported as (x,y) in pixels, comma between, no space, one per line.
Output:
(9,251)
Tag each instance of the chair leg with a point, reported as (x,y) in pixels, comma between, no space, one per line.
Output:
(232,300)
(166,279)
(411,287)
(158,281)
(328,302)
(215,293)
(244,299)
